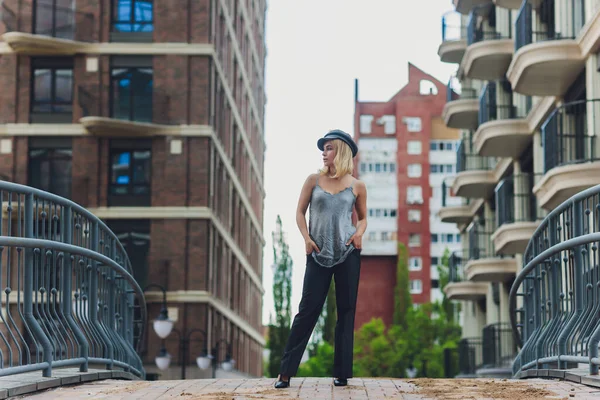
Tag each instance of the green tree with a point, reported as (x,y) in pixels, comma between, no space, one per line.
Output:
(402,299)
(279,329)
(320,364)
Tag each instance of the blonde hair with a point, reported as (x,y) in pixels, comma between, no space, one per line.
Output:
(343,159)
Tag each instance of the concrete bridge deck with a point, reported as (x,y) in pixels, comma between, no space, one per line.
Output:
(323,389)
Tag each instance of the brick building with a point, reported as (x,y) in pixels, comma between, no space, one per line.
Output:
(150,114)
(402,145)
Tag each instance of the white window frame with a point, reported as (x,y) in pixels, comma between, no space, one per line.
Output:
(414,170)
(366,123)
(416,216)
(414,147)
(416,286)
(414,240)
(414,195)
(415,264)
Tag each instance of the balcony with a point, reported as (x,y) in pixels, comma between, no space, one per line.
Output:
(454,39)
(547,61)
(489,52)
(129,116)
(55,30)
(510,4)
(460,111)
(570,155)
(474,178)
(470,356)
(503,131)
(499,350)
(465,6)
(482,264)
(459,288)
(454,214)
(517,213)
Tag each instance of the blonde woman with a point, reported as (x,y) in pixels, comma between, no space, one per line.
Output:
(333,246)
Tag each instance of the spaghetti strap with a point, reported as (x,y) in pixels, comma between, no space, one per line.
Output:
(317,181)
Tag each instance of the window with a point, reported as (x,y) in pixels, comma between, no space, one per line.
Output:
(414,147)
(414,215)
(435,283)
(415,264)
(50,162)
(416,286)
(135,237)
(384,236)
(370,212)
(449,238)
(378,212)
(130,163)
(413,124)
(392,167)
(377,167)
(372,236)
(392,213)
(54,18)
(427,87)
(414,170)
(389,124)
(414,240)
(435,261)
(414,195)
(132,94)
(52,87)
(365,123)
(363,167)
(133,15)
(458,238)
(434,238)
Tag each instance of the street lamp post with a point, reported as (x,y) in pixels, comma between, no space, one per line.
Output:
(227,363)
(163,359)
(162,324)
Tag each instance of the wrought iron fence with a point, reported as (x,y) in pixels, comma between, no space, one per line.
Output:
(568,135)
(490,110)
(558,321)
(456,266)
(546,27)
(452,28)
(498,345)
(479,235)
(475,29)
(470,355)
(514,202)
(48,20)
(467,160)
(454,91)
(69,295)
(156,107)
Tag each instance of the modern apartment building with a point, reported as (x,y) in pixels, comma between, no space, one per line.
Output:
(150,114)
(527,109)
(406,152)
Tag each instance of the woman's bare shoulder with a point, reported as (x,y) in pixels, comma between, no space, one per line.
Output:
(312,179)
(359,185)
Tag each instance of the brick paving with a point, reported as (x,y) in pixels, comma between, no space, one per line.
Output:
(323,389)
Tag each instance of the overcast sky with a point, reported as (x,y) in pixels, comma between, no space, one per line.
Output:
(315,50)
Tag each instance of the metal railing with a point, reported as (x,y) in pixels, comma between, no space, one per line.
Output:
(456,266)
(498,345)
(490,110)
(453,93)
(69,295)
(451,27)
(48,20)
(157,107)
(469,161)
(475,31)
(558,323)
(514,202)
(567,136)
(479,235)
(546,28)
(470,355)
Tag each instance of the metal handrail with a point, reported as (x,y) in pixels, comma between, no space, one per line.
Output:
(467,160)
(70,296)
(514,202)
(560,289)
(475,31)
(470,355)
(525,34)
(568,134)
(490,110)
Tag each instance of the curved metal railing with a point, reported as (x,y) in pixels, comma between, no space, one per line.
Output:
(559,288)
(69,296)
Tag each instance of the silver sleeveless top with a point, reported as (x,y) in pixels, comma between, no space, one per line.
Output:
(330,224)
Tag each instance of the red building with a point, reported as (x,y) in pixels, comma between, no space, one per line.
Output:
(394,138)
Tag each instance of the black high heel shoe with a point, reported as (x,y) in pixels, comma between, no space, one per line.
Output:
(340,382)
(281,384)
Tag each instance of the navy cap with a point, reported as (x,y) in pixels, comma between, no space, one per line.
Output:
(341,135)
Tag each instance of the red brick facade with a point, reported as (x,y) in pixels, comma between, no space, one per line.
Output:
(186,254)
(378,274)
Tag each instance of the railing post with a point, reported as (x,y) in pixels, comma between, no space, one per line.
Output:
(66,289)
(93,299)
(28,289)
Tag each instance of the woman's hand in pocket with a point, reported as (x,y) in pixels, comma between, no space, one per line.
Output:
(311,246)
(356,240)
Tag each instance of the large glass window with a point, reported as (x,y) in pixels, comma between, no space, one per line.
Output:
(132,94)
(134,235)
(133,15)
(50,164)
(54,18)
(130,172)
(52,86)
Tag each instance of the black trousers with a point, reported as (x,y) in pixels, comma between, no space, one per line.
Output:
(317,280)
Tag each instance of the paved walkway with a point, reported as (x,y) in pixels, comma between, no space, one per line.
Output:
(323,389)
